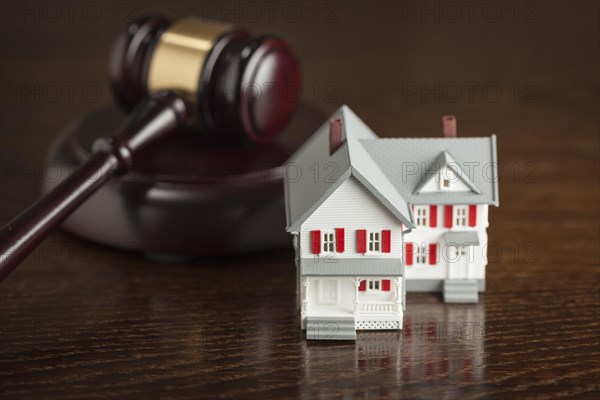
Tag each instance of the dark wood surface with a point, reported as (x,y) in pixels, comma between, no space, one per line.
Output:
(78,320)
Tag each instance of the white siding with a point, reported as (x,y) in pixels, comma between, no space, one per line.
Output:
(435,235)
(352,207)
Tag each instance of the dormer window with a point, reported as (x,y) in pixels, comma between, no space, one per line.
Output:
(447,178)
(444,174)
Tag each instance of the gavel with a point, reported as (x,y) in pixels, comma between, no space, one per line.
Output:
(173,76)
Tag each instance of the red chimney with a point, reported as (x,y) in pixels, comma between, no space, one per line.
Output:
(335,135)
(449,122)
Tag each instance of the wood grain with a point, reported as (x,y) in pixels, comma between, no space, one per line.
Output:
(78,320)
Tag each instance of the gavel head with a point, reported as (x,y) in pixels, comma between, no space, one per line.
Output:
(245,86)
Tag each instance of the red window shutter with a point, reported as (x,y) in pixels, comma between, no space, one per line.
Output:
(432,253)
(433,216)
(448,216)
(339,240)
(386,240)
(361,241)
(472,215)
(362,286)
(409,253)
(385,285)
(316,242)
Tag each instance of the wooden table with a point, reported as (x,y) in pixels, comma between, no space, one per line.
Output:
(78,320)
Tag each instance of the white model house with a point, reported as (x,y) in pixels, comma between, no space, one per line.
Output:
(372,218)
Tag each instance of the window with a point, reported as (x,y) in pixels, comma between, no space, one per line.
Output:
(420,253)
(422,214)
(374,241)
(447,178)
(460,216)
(328,242)
(375,285)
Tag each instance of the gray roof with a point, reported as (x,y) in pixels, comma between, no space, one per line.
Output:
(469,238)
(476,157)
(304,194)
(351,267)
(381,166)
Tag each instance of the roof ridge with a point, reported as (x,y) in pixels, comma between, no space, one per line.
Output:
(360,167)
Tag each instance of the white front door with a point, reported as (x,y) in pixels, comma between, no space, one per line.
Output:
(328,291)
(458,262)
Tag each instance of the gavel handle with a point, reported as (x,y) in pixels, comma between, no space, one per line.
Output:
(161,115)
(20,236)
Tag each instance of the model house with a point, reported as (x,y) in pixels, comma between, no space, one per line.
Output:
(372,218)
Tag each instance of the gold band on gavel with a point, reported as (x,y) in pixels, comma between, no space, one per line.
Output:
(180,53)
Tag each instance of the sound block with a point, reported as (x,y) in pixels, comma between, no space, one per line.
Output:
(185,197)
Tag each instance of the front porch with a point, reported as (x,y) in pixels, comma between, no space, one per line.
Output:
(372,303)
(345,327)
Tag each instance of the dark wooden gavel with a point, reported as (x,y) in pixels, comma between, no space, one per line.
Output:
(181,75)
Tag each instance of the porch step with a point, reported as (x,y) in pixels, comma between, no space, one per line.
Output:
(330,328)
(461,291)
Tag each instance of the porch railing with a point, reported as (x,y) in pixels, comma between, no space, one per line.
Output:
(378,307)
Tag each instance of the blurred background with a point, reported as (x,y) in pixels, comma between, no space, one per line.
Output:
(527,71)
(524,69)
(517,65)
